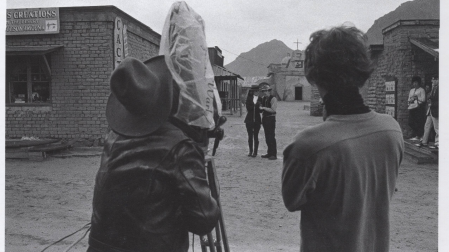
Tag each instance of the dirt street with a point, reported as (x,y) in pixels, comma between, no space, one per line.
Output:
(48,200)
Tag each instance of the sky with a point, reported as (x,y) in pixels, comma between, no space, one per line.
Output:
(237,26)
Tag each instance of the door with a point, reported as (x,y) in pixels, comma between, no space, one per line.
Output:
(298,93)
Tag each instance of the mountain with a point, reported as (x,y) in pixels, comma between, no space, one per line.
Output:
(256,61)
(417,9)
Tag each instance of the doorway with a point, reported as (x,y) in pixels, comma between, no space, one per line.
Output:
(298,93)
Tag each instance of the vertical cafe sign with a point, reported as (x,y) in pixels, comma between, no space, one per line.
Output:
(32,21)
(120,42)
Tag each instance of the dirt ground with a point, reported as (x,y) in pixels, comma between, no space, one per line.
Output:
(48,200)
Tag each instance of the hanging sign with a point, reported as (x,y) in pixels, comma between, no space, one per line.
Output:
(32,21)
(118,42)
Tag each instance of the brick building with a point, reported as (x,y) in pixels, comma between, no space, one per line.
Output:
(58,64)
(410,48)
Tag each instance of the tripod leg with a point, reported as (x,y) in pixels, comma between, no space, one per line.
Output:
(213,183)
(218,240)
(203,245)
(223,232)
(211,242)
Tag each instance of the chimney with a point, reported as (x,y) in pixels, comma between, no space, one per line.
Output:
(215,56)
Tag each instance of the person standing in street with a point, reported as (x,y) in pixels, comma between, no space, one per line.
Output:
(341,174)
(268,109)
(417,115)
(432,116)
(253,120)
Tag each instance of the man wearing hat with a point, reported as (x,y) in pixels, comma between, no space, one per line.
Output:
(151,188)
(268,109)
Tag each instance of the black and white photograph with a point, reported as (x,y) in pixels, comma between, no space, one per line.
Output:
(219,126)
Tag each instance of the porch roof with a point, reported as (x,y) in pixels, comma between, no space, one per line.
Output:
(430,46)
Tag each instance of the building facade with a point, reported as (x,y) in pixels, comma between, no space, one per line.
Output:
(410,48)
(227,82)
(288,80)
(58,64)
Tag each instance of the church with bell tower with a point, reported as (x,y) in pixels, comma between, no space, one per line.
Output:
(288,79)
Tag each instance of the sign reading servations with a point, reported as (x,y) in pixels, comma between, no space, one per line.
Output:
(32,21)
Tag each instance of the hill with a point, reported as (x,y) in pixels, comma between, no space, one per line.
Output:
(256,61)
(417,9)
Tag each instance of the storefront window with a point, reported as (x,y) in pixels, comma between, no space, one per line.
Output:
(28,82)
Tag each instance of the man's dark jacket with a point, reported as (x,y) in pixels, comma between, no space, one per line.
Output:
(150,192)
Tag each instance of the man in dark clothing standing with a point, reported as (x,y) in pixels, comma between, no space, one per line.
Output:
(268,109)
(151,188)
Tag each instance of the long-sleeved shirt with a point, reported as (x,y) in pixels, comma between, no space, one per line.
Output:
(419,92)
(341,175)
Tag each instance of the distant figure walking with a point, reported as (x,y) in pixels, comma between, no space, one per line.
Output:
(341,174)
(268,109)
(252,120)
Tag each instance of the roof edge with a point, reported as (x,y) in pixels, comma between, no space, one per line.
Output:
(411,22)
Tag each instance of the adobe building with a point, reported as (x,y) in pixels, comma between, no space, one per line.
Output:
(288,80)
(58,64)
(410,48)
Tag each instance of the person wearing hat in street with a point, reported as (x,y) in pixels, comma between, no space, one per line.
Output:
(151,187)
(253,120)
(268,109)
(341,173)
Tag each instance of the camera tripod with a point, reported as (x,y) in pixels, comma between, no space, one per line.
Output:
(221,238)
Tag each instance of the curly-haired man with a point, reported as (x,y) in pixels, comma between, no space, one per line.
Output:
(341,173)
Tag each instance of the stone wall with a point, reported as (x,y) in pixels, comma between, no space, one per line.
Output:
(400,60)
(80,74)
(316,109)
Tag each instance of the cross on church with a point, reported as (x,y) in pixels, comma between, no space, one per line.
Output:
(297,44)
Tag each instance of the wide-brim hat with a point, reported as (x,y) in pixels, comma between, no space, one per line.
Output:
(141,98)
(254,87)
(264,87)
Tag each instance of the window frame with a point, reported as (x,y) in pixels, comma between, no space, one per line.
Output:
(43,62)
